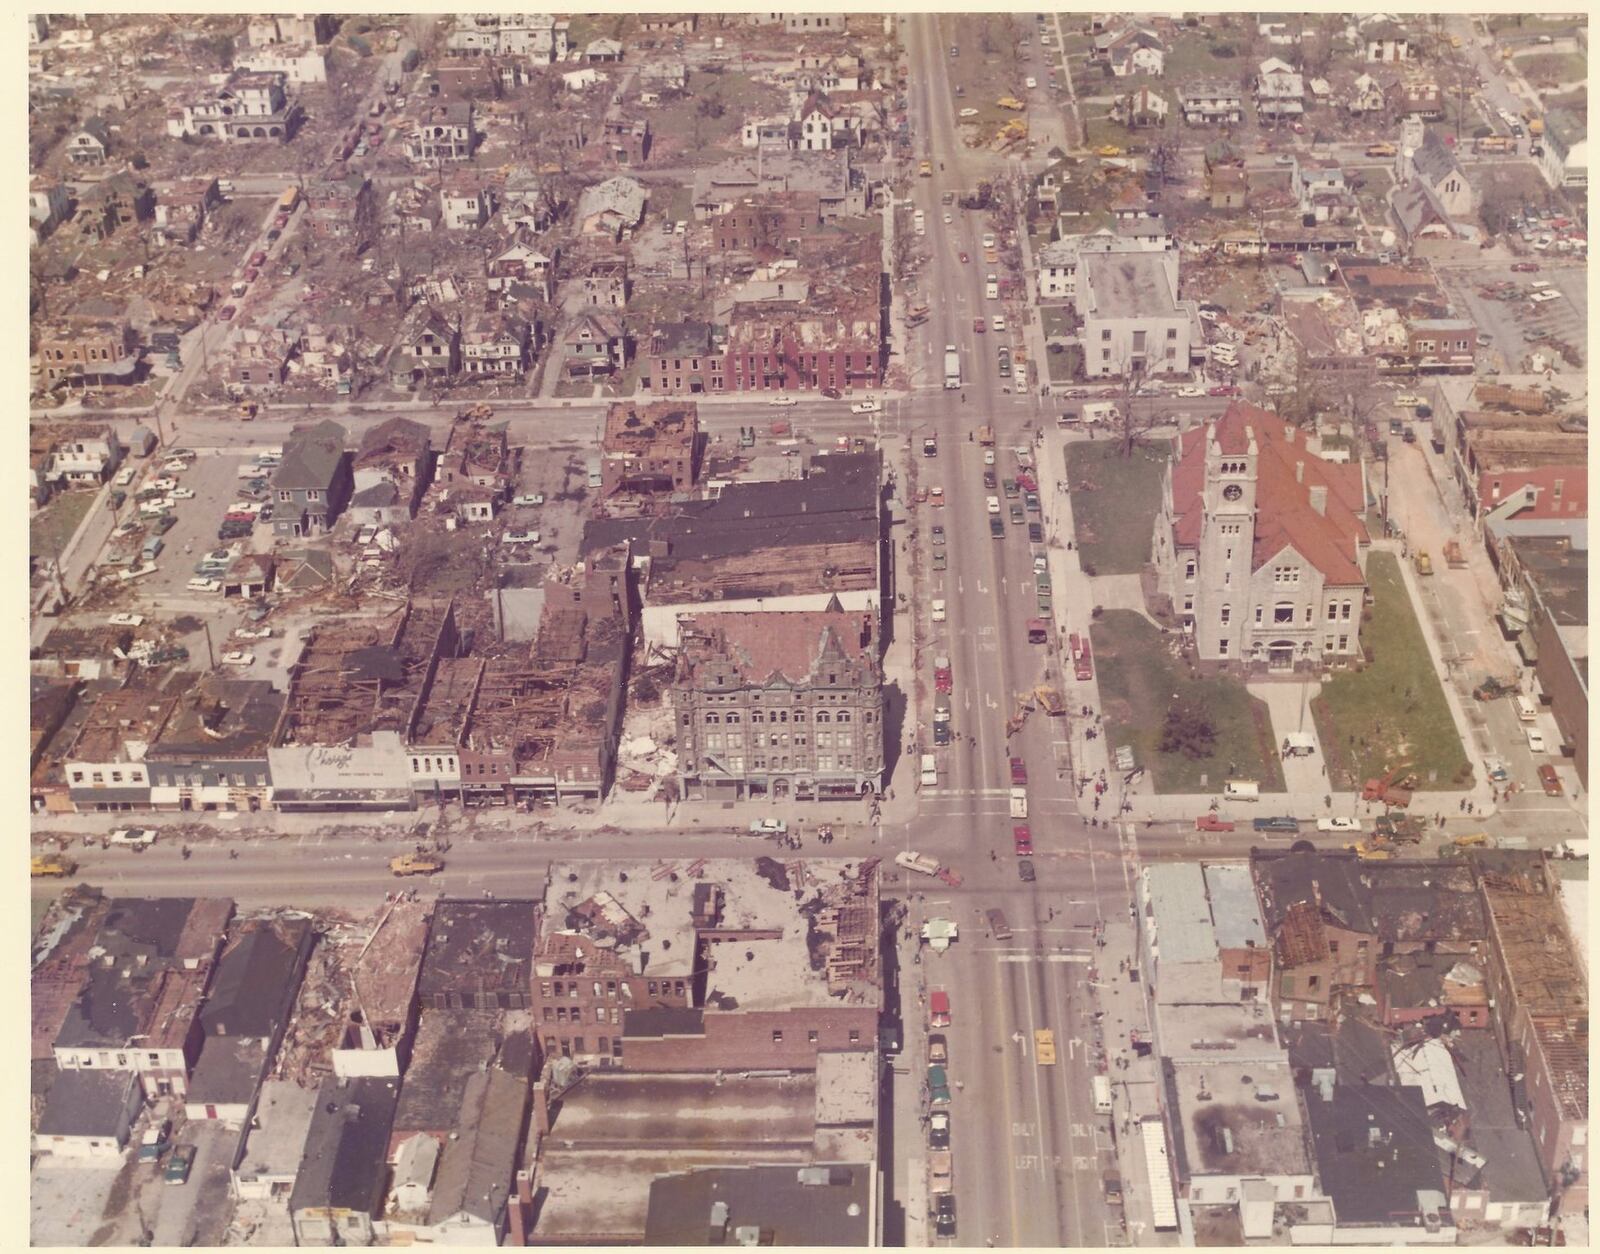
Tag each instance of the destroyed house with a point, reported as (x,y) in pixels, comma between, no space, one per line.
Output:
(650,448)
(707,965)
(146,977)
(105,761)
(212,753)
(479,956)
(392,470)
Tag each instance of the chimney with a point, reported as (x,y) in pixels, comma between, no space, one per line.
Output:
(541,1107)
(1299,472)
(1319,497)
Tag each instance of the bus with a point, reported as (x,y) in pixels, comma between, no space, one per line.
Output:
(289,201)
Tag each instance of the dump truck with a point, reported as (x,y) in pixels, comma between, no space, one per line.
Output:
(986,436)
(1422,562)
(416,864)
(1049,700)
(1394,788)
(51,866)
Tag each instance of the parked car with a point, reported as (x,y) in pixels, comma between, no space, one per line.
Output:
(1550,780)
(1035,533)
(1025,870)
(938,1122)
(226,314)
(783,401)
(1022,840)
(179,1165)
(938,1048)
(204,585)
(1338,824)
(868,406)
(1276,823)
(238,657)
(154,1142)
(1536,741)
(521,537)
(769,827)
(1213,823)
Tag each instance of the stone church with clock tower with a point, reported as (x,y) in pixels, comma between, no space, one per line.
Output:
(1262,544)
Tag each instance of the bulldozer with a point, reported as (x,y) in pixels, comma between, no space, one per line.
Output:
(416,864)
(1370,853)
(1012,103)
(51,866)
(1492,688)
(1049,701)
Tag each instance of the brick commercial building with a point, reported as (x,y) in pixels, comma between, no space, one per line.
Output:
(779,704)
(650,448)
(706,966)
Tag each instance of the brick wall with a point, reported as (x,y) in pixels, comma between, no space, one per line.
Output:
(749,1040)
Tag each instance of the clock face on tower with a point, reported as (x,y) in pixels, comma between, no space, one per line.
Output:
(1233,492)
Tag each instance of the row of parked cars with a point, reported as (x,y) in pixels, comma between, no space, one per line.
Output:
(941,1167)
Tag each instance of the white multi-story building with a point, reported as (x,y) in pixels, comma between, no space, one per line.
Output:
(1133,322)
(248,106)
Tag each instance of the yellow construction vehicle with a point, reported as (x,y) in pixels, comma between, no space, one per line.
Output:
(1422,562)
(1473,840)
(1370,853)
(52,866)
(416,864)
(1012,103)
(1108,150)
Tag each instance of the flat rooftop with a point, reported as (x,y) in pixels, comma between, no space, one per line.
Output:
(1234,913)
(1181,915)
(819,1206)
(1239,1118)
(283,1116)
(1226,1030)
(1128,285)
(613,1135)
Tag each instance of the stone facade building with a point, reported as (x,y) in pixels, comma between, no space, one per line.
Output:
(781,704)
(1262,545)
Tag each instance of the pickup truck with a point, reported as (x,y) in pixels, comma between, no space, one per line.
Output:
(1276,823)
(415,864)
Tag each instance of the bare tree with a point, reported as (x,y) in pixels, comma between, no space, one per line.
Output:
(1131,427)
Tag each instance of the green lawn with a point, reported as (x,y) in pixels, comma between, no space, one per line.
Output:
(1114,501)
(1393,710)
(1190,56)
(1138,678)
(1515,27)
(51,528)
(1553,67)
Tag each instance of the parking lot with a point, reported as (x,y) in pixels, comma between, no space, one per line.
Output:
(1515,325)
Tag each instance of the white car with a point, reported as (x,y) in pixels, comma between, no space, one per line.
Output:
(521,537)
(992,504)
(1030,82)
(126,620)
(238,657)
(133,836)
(1338,825)
(866,407)
(768,827)
(988,239)
(1190,389)
(176,466)
(968,113)
(529,498)
(253,633)
(782,402)
(1536,741)
(183,494)
(938,611)
(162,485)
(998,323)
(158,506)
(244,507)
(988,457)
(124,476)
(201,584)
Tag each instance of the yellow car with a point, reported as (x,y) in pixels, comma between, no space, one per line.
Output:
(1108,150)
(1044,1047)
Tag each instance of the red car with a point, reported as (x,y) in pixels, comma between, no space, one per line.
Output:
(239,516)
(251,275)
(1224,389)
(1026,481)
(1526,267)
(943,680)
(978,326)
(1019,771)
(965,259)
(281,221)
(258,258)
(1022,840)
(227,313)
(1213,823)
(1550,780)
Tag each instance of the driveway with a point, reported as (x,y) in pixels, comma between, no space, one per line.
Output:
(1289,707)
